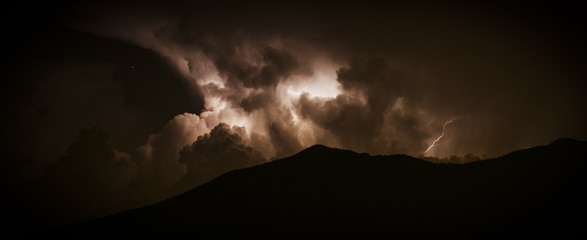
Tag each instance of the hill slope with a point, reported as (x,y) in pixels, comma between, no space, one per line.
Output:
(325,191)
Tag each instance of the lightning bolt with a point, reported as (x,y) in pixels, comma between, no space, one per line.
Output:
(441,135)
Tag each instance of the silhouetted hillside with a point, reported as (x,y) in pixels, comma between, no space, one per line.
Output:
(324,191)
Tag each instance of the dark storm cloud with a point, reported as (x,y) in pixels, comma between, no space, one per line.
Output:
(215,153)
(77,80)
(376,114)
(279,64)
(371,74)
(92,179)
(275,65)
(381,111)
(257,100)
(252,67)
(241,54)
(442,60)
(516,71)
(71,81)
(347,119)
(504,66)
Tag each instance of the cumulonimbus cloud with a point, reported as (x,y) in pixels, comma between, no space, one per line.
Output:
(274,83)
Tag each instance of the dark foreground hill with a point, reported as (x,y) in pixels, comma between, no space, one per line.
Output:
(328,192)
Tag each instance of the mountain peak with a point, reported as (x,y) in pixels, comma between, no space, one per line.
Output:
(315,149)
(323,152)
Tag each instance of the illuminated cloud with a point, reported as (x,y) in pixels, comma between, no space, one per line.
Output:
(215,153)
(159,156)
(169,82)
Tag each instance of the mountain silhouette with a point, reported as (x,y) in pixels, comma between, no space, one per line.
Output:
(322,191)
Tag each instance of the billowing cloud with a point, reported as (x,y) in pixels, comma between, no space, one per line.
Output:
(93,179)
(367,84)
(159,156)
(373,114)
(217,152)
(190,92)
(79,80)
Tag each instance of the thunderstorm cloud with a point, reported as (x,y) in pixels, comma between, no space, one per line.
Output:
(122,105)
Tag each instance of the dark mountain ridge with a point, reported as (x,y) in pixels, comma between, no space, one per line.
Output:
(322,191)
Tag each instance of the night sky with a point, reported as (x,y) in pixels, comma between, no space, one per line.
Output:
(110,106)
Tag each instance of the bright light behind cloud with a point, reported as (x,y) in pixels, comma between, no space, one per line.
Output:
(321,84)
(259,84)
(223,98)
